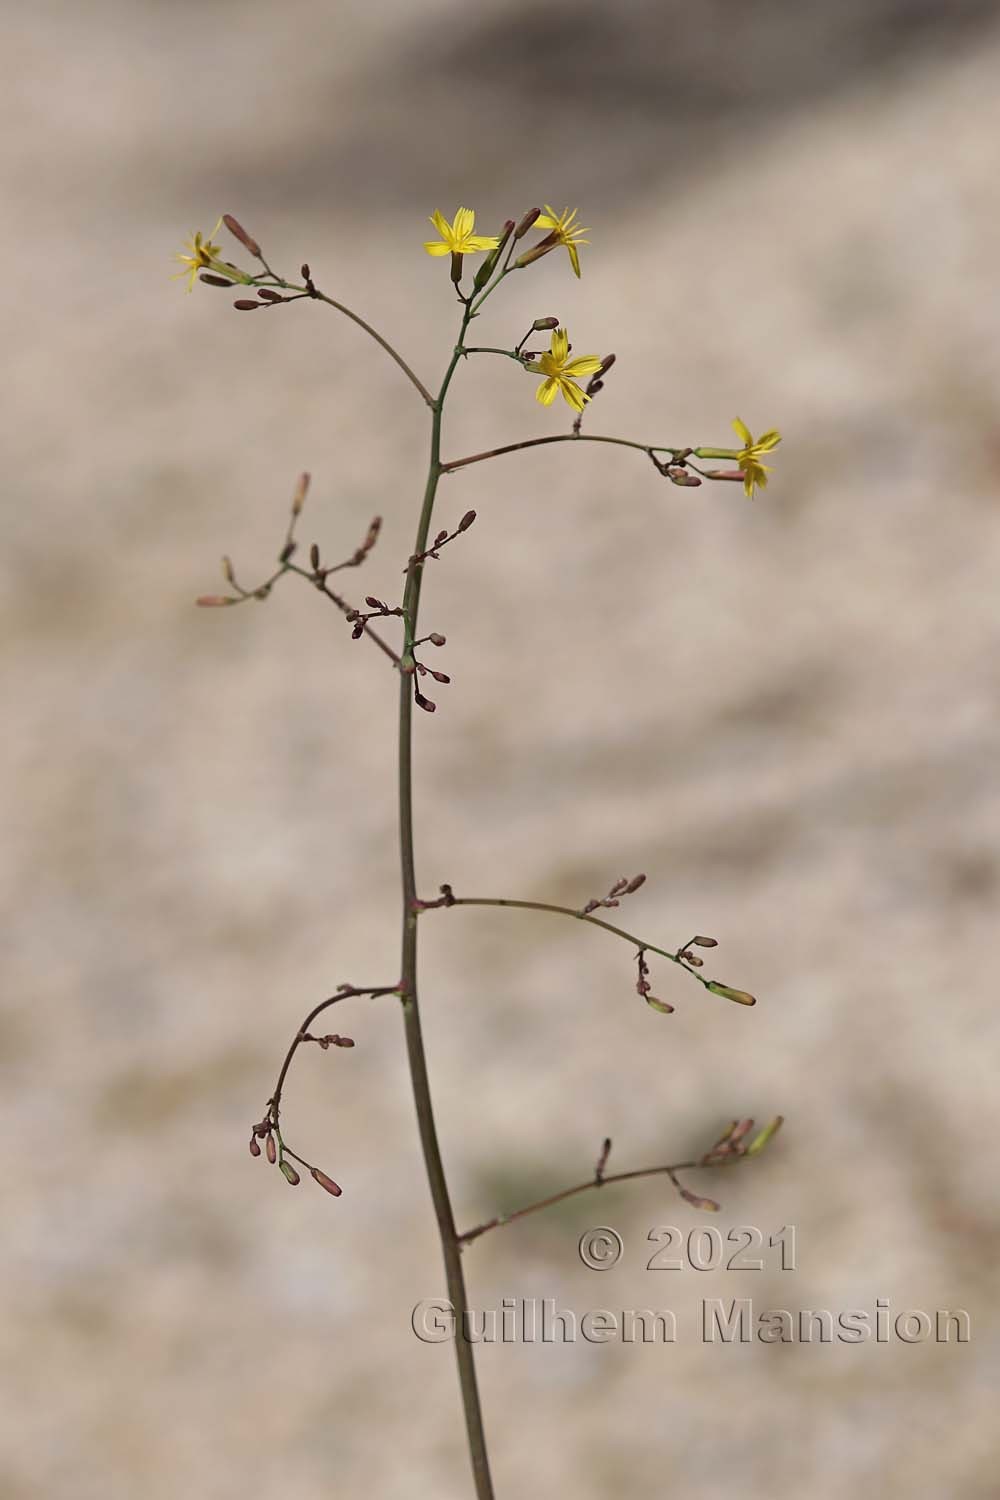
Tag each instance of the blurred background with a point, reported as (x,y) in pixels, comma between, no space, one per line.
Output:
(785,713)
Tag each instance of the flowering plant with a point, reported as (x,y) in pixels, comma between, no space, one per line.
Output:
(504,254)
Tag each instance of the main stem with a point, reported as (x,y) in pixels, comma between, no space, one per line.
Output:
(450,1244)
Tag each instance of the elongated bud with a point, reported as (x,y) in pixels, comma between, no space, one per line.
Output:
(728,993)
(660,1005)
(489,263)
(266,294)
(271,1149)
(214,601)
(456,267)
(467,520)
(254,1148)
(301,491)
(634,884)
(227,570)
(602,1160)
(425,703)
(736,475)
(740,1131)
(680,476)
(304,272)
(314,556)
(290,1175)
(541,325)
(238,232)
(765,1136)
(526,223)
(326,1182)
(706,1205)
(705,942)
(537,251)
(243,304)
(211,280)
(436,639)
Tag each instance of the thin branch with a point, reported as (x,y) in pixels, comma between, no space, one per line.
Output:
(567,911)
(345,992)
(649,449)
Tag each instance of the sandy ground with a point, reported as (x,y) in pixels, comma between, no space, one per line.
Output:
(785,713)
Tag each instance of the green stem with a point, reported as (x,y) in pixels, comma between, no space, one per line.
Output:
(450,1244)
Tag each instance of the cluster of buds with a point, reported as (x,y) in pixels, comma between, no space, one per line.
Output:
(277,1153)
(417,668)
(377,610)
(332,1040)
(644,988)
(623,886)
(320,573)
(441,540)
(732,1145)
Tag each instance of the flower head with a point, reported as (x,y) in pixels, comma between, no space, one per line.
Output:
(754,472)
(559,370)
(203,256)
(565,231)
(458,238)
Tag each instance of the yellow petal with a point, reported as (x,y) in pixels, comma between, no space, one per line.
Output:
(573,394)
(587,364)
(475,242)
(545,221)
(465,222)
(435,247)
(742,431)
(768,441)
(559,347)
(574,258)
(546,392)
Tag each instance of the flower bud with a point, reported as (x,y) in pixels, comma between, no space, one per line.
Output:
(271,1149)
(526,223)
(467,520)
(290,1175)
(541,325)
(238,232)
(301,490)
(266,294)
(765,1136)
(210,280)
(705,942)
(489,263)
(728,993)
(325,1182)
(243,304)
(436,639)
(537,251)
(214,601)
(660,1005)
(707,1205)
(254,1148)
(606,364)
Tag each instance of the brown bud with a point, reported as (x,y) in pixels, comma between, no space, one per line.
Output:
(314,556)
(254,1148)
(238,232)
(442,536)
(227,570)
(342,1041)
(593,386)
(634,884)
(740,1131)
(681,476)
(456,266)
(210,280)
(693,960)
(290,1175)
(214,601)
(734,474)
(537,251)
(467,520)
(606,363)
(541,324)
(301,491)
(436,639)
(243,304)
(266,294)
(326,1182)
(706,942)
(271,1149)
(439,676)
(526,223)
(424,703)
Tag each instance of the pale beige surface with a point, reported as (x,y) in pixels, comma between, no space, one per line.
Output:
(785,713)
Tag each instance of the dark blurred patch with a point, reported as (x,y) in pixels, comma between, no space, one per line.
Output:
(574,94)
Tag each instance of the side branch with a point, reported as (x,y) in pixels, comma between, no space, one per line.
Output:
(729,1148)
(649,449)
(680,956)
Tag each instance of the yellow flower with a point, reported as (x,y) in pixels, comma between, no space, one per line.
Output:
(558,372)
(566,231)
(458,238)
(754,472)
(204,256)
